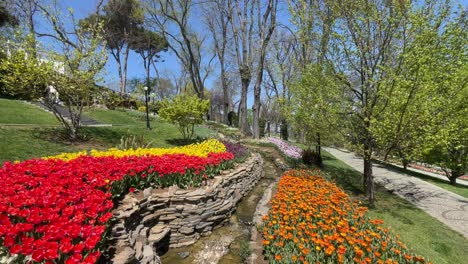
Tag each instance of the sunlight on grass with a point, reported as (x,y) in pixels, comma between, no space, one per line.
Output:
(18,112)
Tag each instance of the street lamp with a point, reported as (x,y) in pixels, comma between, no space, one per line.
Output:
(147,111)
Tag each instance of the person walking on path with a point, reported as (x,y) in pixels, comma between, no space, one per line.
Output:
(449,208)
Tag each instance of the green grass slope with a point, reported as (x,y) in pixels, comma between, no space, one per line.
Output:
(18,112)
(39,140)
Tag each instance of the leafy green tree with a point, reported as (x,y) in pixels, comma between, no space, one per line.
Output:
(148,44)
(83,56)
(121,20)
(185,111)
(314,106)
(423,117)
(447,143)
(363,46)
(22,77)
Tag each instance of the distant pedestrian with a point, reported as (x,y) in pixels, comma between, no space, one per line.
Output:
(52,95)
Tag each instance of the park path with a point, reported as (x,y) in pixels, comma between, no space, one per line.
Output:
(85,121)
(449,208)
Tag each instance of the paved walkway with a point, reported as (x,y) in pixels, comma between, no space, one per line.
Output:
(449,208)
(433,175)
(85,121)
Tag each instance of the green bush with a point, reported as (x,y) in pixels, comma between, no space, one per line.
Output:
(311,157)
(262,125)
(185,111)
(22,77)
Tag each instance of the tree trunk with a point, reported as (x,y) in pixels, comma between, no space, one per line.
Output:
(405,163)
(453,180)
(225,96)
(32,31)
(454,174)
(284,129)
(119,66)
(243,122)
(256,110)
(369,180)
(319,146)
(124,72)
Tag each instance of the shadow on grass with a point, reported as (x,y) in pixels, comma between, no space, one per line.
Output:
(348,179)
(105,134)
(183,142)
(56,135)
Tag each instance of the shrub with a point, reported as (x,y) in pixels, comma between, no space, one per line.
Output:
(142,109)
(185,111)
(311,157)
(133,142)
(112,100)
(23,78)
(311,220)
(262,126)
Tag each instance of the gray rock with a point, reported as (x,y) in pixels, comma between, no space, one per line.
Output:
(138,250)
(161,233)
(147,192)
(126,255)
(183,254)
(187,230)
(148,252)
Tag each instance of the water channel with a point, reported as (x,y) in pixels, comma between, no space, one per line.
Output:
(229,244)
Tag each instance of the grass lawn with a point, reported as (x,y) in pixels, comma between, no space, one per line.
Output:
(25,143)
(424,234)
(20,143)
(18,112)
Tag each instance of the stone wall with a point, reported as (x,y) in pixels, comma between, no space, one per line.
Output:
(151,221)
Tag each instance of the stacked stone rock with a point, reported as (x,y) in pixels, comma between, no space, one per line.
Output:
(154,220)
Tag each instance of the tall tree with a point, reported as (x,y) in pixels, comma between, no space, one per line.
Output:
(366,38)
(27,11)
(281,70)
(247,18)
(217,18)
(242,25)
(266,27)
(121,19)
(171,18)
(148,44)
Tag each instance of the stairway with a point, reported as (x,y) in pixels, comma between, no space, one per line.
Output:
(85,121)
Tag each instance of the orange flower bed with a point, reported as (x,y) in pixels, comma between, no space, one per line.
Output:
(311,220)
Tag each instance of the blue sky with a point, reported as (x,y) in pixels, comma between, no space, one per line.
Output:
(168,62)
(83,8)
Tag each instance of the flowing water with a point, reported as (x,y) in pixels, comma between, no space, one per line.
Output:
(228,244)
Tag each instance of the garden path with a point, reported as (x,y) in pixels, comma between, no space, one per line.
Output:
(449,208)
(85,121)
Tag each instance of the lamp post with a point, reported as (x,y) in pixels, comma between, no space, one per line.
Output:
(147,110)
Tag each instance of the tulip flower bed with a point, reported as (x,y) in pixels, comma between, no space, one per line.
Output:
(58,211)
(240,152)
(311,220)
(201,149)
(292,153)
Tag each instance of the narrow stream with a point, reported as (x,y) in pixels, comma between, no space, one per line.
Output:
(228,244)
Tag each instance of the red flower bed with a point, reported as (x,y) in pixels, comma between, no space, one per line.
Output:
(57,211)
